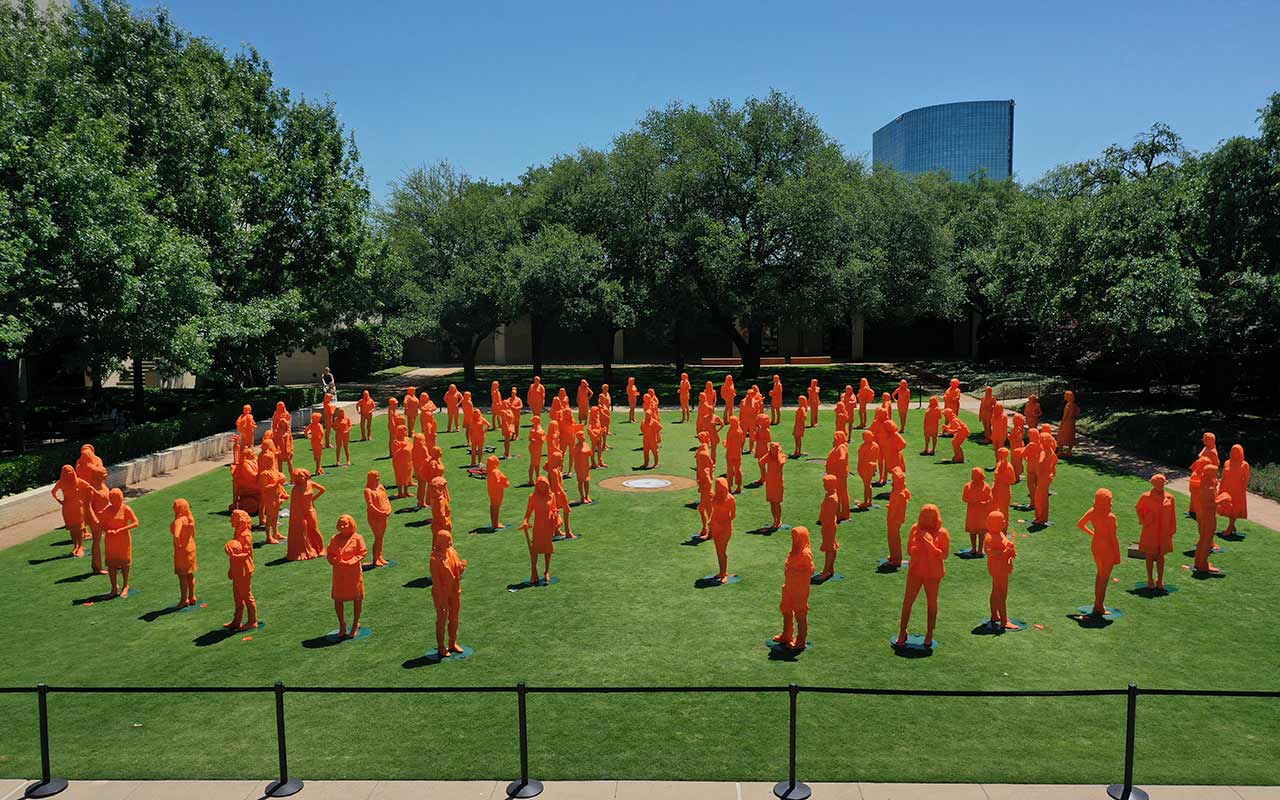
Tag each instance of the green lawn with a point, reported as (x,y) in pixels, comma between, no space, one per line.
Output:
(626,612)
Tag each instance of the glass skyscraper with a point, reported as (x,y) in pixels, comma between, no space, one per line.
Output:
(960,138)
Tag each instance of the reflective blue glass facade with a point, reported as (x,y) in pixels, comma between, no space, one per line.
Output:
(960,138)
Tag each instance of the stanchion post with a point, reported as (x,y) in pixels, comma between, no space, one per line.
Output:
(1126,790)
(525,786)
(48,785)
(285,786)
(791,789)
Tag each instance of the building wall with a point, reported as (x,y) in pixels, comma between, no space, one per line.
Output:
(303,366)
(960,138)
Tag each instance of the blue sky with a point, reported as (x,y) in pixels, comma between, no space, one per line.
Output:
(495,87)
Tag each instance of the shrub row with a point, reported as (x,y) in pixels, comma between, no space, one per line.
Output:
(19,473)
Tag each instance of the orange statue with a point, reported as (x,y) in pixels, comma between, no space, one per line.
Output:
(951,397)
(90,469)
(843,418)
(1197,476)
(239,550)
(342,436)
(1100,523)
(584,399)
(985,408)
(706,483)
(72,493)
(346,554)
(446,590)
(828,519)
(1031,410)
(536,437)
(1210,449)
(684,390)
(476,428)
(183,531)
(244,482)
(366,406)
(246,430)
(929,546)
(892,446)
(1000,552)
(541,508)
(304,541)
(402,459)
(410,404)
(772,464)
(959,434)
(632,394)
(866,395)
(516,407)
(902,396)
(761,438)
(327,407)
(775,401)
(496,483)
(583,455)
(466,409)
(838,467)
(1157,516)
(441,505)
(814,393)
(452,400)
(315,433)
(999,428)
(1046,469)
(1235,482)
(271,495)
(1207,518)
(536,396)
(1067,428)
(802,422)
(728,393)
(795,592)
(1002,484)
(118,521)
(495,402)
(651,433)
(282,437)
(932,423)
(420,460)
(595,436)
(561,499)
(377,508)
(977,497)
(899,496)
(724,508)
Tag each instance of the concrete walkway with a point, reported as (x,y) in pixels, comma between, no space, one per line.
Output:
(621,790)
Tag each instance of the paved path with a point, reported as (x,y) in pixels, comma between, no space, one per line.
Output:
(621,790)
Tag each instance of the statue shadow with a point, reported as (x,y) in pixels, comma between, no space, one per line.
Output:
(693,541)
(909,651)
(97,598)
(418,523)
(1231,537)
(84,576)
(322,641)
(643,468)
(1148,593)
(487,529)
(778,652)
(407,510)
(882,496)
(152,616)
(1207,576)
(767,530)
(422,661)
(418,583)
(38,561)
(62,543)
(275,562)
(1036,527)
(214,637)
(1091,621)
(952,463)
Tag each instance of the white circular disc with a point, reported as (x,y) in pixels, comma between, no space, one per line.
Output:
(646,483)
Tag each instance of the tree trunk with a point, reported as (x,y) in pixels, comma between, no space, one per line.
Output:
(1217,381)
(751,356)
(677,346)
(469,351)
(606,353)
(537,331)
(139,390)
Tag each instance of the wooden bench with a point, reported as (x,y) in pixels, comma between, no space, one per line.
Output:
(772,361)
(721,362)
(811,359)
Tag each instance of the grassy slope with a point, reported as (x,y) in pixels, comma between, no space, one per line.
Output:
(627,613)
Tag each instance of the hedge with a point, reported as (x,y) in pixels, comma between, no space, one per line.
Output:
(19,473)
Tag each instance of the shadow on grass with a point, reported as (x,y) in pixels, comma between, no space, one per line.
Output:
(152,616)
(214,637)
(97,598)
(1091,621)
(38,561)
(322,641)
(418,583)
(84,576)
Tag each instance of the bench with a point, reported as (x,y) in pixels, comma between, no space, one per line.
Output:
(721,362)
(772,361)
(811,359)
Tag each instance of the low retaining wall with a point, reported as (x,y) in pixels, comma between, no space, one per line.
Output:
(38,502)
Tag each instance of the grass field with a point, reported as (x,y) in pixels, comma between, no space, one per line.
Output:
(626,612)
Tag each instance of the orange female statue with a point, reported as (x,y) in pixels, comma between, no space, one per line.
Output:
(1207,518)
(476,428)
(377,508)
(724,508)
(118,521)
(985,408)
(1158,518)
(772,464)
(1100,524)
(315,433)
(305,541)
(976,496)
(828,520)
(814,393)
(959,434)
(929,546)
(999,428)
(541,509)
(951,397)
(651,437)
(802,422)
(183,532)
(246,430)
(346,554)
(72,494)
(1002,484)
(902,396)
(1000,551)
(584,399)
(1046,469)
(796,582)
(366,406)
(536,438)
(452,401)
(446,591)
(899,497)
(728,393)
(1032,412)
(932,424)
(685,388)
(632,394)
(342,436)
(866,396)
(410,404)
(775,401)
(1235,482)
(402,459)
(838,467)
(583,455)
(240,567)
(1067,428)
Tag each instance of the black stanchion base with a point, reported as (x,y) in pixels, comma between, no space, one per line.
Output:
(529,788)
(1116,790)
(45,788)
(787,791)
(286,789)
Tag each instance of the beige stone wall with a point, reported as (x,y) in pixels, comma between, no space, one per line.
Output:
(303,367)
